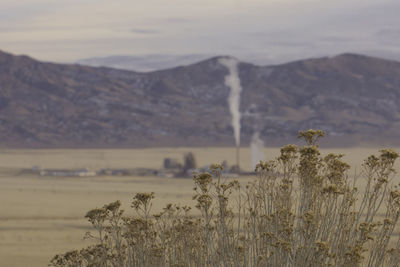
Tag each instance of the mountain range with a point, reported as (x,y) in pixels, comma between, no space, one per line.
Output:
(354,98)
(143,63)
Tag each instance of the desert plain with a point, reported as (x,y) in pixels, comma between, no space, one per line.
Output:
(41,216)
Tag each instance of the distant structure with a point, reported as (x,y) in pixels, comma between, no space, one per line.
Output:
(68,173)
(170,163)
(189,163)
(170,168)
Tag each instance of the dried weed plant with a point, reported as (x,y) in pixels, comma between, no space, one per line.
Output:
(301,210)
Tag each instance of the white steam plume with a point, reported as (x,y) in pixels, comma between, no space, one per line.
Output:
(232,80)
(257,150)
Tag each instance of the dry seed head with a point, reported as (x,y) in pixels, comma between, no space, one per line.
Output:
(309,216)
(203,180)
(289,149)
(204,201)
(322,245)
(330,189)
(96,216)
(395,194)
(114,206)
(371,162)
(309,150)
(288,153)
(388,221)
(142,199)
(216,167)
(311,136)
(266,166)
(388,155)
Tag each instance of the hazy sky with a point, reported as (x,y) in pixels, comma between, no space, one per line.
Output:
(266,31)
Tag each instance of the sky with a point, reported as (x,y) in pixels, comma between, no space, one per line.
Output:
(260,31)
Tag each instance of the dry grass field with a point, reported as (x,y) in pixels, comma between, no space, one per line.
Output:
(42,216)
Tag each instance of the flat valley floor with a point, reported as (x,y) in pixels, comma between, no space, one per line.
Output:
(43,216)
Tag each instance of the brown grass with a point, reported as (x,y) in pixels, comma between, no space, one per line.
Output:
(301,210)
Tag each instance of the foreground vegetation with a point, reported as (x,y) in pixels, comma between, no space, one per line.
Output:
(301,210)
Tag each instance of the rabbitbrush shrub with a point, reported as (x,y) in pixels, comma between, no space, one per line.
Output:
(301,210)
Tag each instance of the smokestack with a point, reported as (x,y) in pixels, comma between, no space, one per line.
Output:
(257,150)
(238,159)
(232,80)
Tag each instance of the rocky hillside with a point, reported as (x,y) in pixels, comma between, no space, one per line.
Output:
(354,98)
